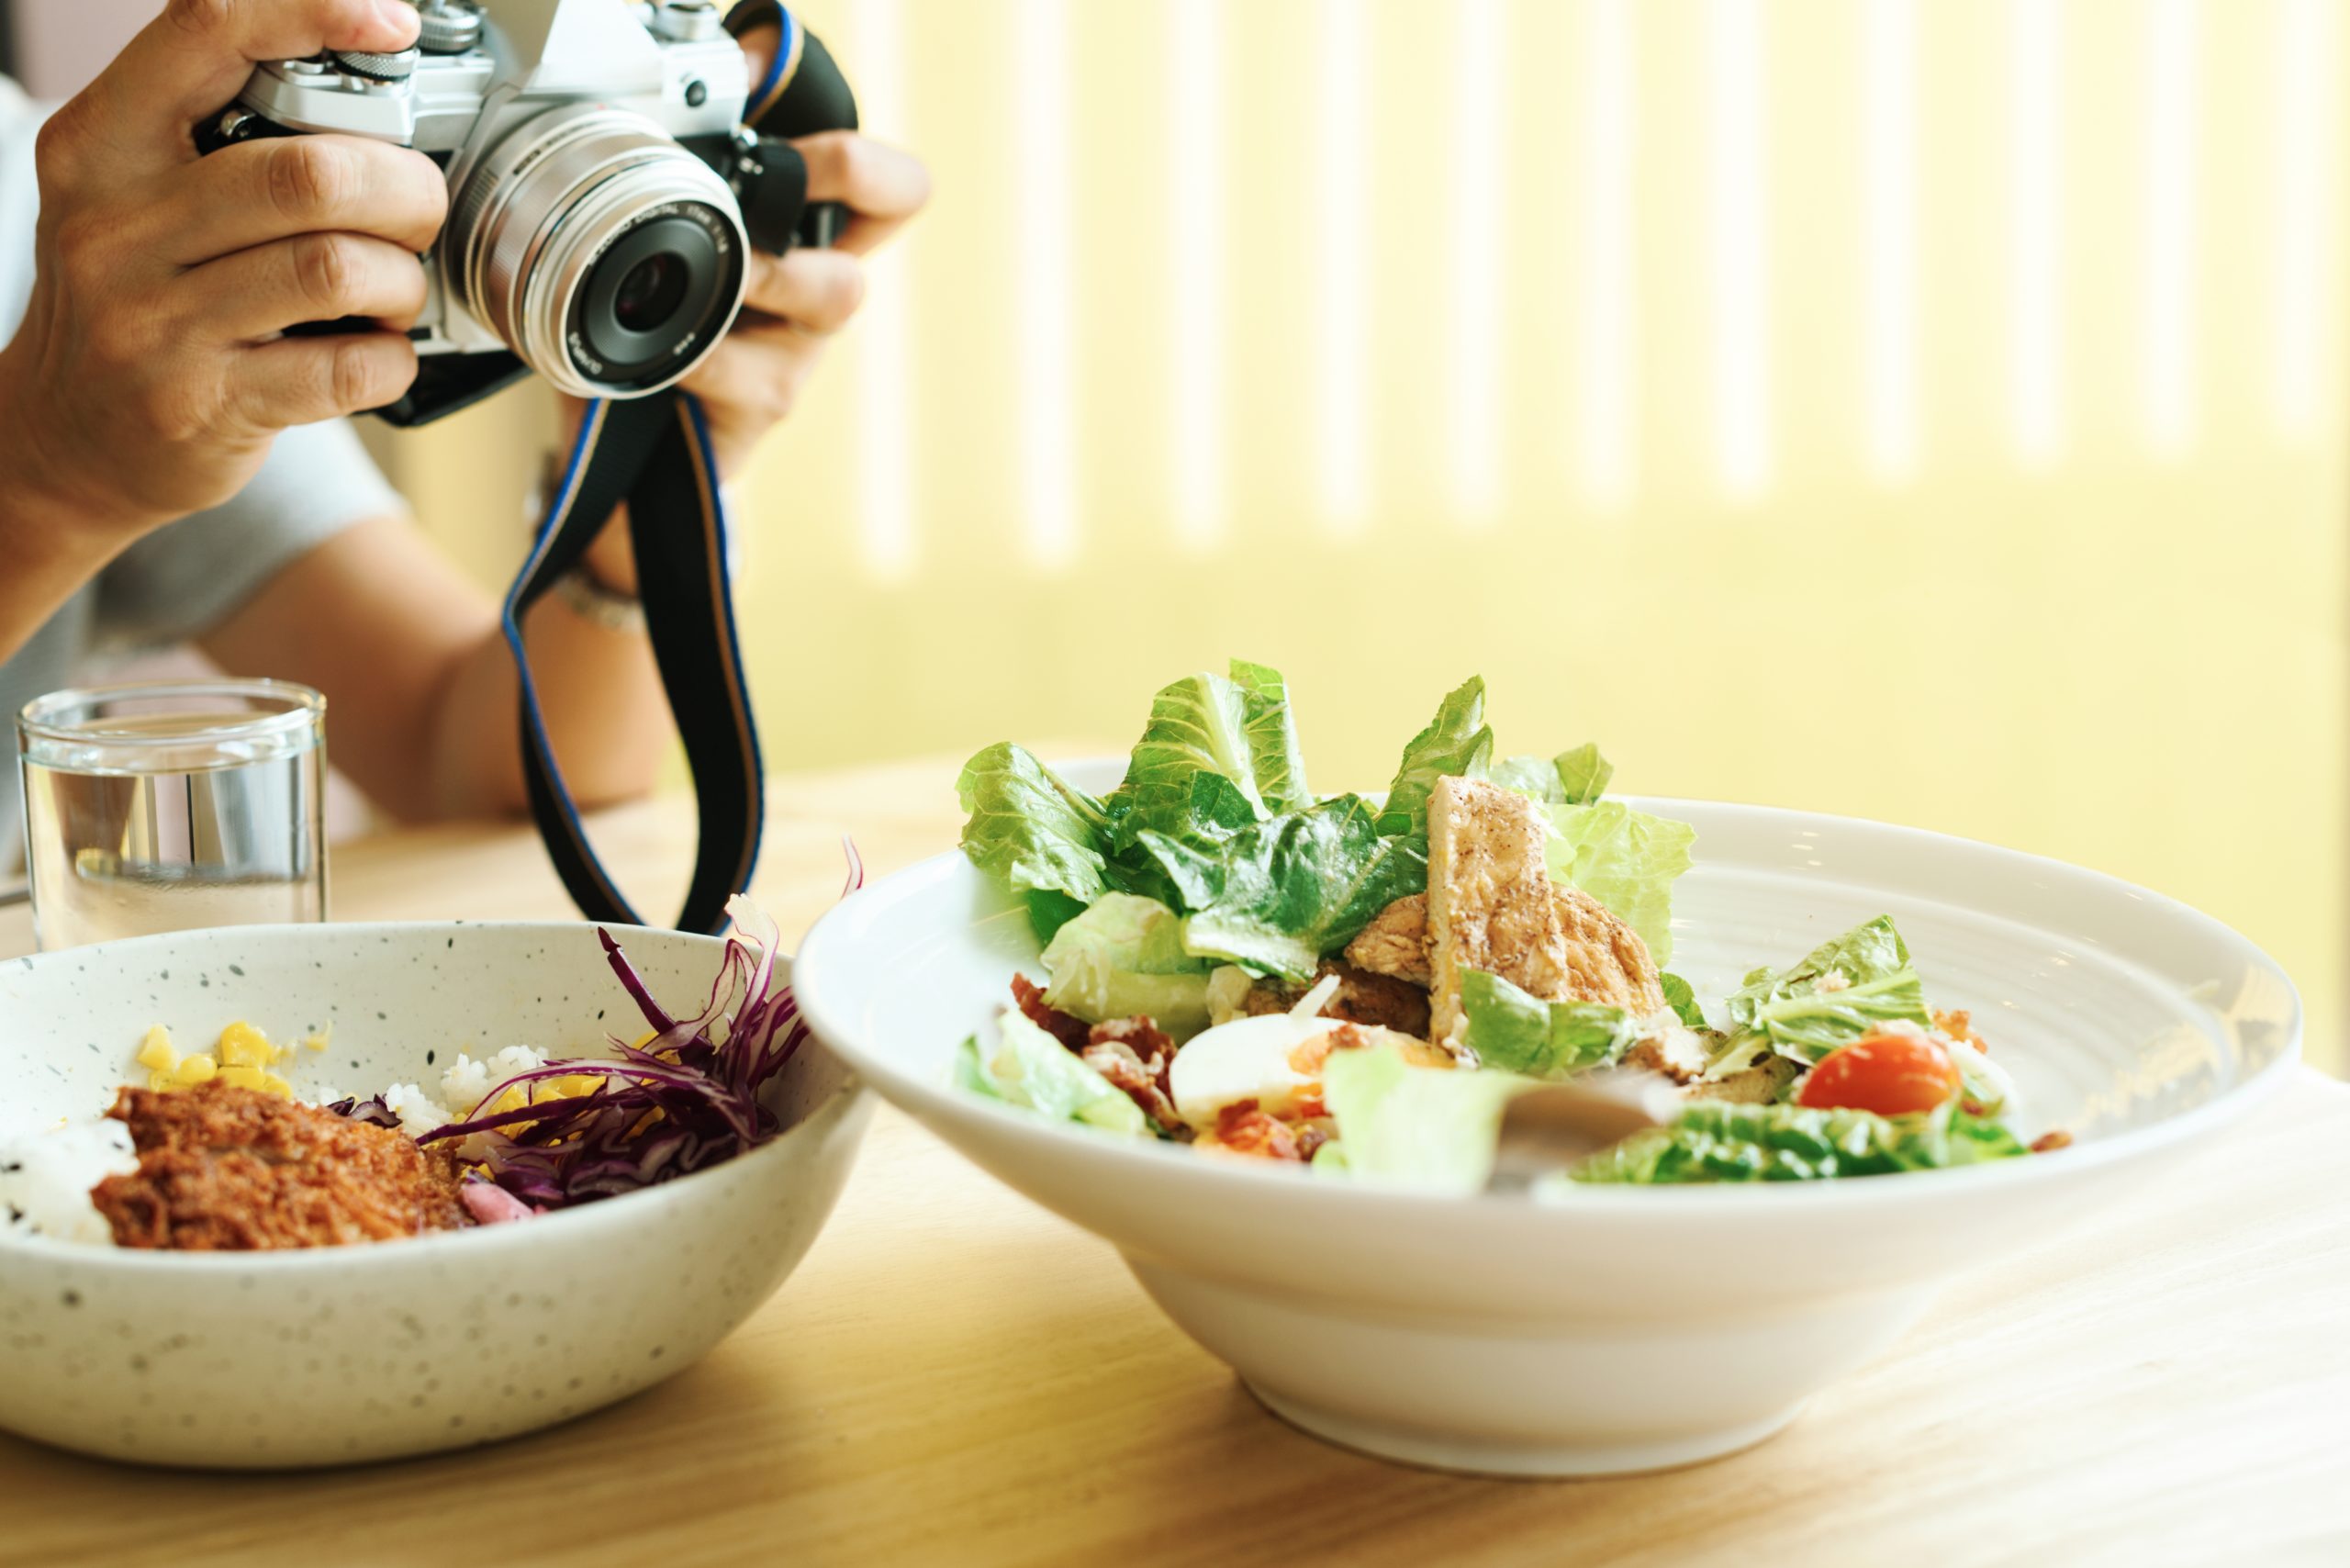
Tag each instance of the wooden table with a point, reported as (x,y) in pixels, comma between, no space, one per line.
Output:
(955,1376)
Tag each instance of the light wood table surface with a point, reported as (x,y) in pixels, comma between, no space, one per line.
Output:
(955,1376)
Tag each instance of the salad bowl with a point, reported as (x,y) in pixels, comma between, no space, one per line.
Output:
(1610,1329)
(333,1355)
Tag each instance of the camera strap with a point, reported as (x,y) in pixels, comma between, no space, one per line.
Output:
(654,454)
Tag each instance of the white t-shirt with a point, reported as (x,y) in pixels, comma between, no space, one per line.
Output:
(187,577)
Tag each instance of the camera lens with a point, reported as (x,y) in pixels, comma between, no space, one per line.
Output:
(605,255)
(650,293)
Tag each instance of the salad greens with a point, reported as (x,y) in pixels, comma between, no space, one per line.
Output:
(1125,955)
(1204,983)
(1028,1066)
(1518,1032)
(1715,1141)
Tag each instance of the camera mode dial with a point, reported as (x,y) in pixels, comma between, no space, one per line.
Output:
(376,67)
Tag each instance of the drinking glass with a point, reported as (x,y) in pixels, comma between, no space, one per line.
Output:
(172,804)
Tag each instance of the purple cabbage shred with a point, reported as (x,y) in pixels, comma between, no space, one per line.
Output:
(684,1101)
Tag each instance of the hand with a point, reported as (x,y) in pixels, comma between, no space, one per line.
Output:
(793,302)
(149,375)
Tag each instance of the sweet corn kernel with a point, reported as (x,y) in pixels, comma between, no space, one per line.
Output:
(240,1075)
(274,1084)
(155,1051)
(320,1041)
(241,1045)
(161,1081)
(194,1069)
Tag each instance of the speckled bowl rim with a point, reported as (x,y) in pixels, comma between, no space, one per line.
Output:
(817,1119)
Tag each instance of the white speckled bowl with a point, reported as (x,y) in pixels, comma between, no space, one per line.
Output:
(341,1354)
(1621,1328)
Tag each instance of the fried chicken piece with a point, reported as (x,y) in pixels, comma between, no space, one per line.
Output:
(223,1168)
(1396,941)
(1491,906)
(1363,998)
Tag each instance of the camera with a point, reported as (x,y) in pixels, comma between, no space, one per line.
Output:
(603,188)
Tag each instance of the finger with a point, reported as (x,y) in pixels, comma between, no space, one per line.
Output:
(310,277)
(883,185)
(299,381)
(817,291)
(189,61)
(757,373)
(259,190)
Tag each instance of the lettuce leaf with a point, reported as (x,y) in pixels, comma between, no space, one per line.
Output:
(1198,726)
(1582,774)
(1531,776)
(1625,859)
(1457,741)
(1275,761)
(1034,832)
(1801,1021)
(1278,894)
(1029,1067)
(1714,1141)
(1123,956)
(1682,999)
(1427,1126)
(1519,1033)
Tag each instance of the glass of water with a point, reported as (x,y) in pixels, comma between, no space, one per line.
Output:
(173,804)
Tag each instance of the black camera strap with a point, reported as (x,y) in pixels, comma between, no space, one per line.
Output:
(654,454)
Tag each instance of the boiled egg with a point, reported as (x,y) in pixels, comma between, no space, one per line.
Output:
(1248,1058)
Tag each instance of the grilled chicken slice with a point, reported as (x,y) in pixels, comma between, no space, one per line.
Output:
(1363,998)
(1396,941)
(1491,906)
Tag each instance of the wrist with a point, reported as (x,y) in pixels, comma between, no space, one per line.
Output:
(47,525)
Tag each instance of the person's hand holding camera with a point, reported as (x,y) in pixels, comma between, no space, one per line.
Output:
(792,303)
(150,372)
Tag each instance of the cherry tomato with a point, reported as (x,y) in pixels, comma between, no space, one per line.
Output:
(1890,1074)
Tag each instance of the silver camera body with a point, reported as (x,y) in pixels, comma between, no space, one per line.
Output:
(593,150)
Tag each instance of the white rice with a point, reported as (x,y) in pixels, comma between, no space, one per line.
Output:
(46,1174)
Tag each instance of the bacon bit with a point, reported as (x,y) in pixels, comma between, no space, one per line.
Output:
(1066,1027)
(2047,1142)
(1131,1075)
(1244,1129)
(1974,1107)
(1309,1140)
(1959,1026)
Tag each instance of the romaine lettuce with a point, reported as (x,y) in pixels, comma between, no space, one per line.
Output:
(1275,761)
(1196,762)
(1123,956)
(1458,741)
(1713,1141)
(1519,1033)
(1029,1067)
(1625,859)
(1873,984)
(1428,1126)
(1278,894)
(1531,776)
(1034,832)
(1682,1000)
(1582,774)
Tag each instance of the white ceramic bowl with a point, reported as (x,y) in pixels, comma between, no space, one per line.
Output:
(339,1354)
(1625,1328)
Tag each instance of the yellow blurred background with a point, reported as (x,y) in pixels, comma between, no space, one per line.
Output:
(1928,411)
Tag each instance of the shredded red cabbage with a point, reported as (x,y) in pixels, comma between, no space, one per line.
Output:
(684,1101)
(371,1110)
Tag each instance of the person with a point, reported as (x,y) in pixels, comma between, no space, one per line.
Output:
(173,468)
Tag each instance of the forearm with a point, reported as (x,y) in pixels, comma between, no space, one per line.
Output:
(421,687)
(600,696)
(49,547)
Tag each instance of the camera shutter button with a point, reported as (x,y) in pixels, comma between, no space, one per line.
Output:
(447,27)
(376,67)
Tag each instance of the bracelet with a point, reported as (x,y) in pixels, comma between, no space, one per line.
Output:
(591,600)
